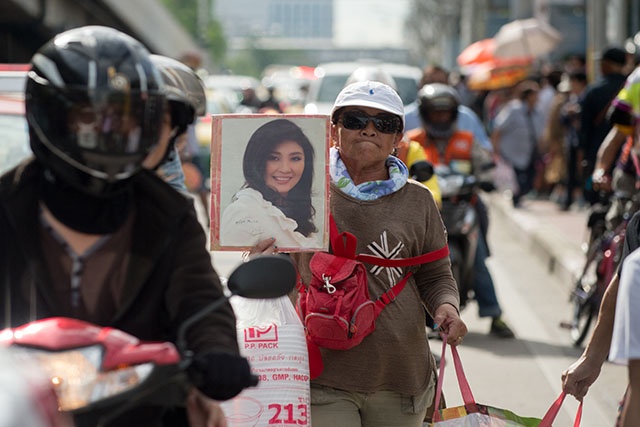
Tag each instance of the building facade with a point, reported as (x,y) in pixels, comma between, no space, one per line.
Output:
(281,23)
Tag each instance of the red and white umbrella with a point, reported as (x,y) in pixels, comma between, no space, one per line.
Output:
(485,71)
(497,75)
(477,53)
(526,37)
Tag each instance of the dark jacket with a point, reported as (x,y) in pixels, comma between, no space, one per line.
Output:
(170,273)
(594,124)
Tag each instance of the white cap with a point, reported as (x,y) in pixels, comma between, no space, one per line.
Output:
(370,94)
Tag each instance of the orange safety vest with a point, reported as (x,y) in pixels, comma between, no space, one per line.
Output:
(459,147)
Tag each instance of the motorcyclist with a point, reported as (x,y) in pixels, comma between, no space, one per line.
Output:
(187,101)
(88,233)
(440,142)
(619,153)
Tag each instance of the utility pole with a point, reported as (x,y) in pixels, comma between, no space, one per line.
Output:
(472,22)
(204,12)
(521,9)
(596,35)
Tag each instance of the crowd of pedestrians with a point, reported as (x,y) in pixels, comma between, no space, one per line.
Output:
(558,122)
(575,143)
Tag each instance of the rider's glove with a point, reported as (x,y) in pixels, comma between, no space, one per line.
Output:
(219,375)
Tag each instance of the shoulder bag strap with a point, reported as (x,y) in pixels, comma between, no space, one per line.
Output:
(344,244)
(405,262)
(390,296)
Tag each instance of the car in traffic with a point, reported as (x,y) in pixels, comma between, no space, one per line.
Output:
(290,84)
(15,131)
(233,86)
(218,102)
(13,78)
(332,76)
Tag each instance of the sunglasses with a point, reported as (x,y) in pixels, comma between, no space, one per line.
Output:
(385,123)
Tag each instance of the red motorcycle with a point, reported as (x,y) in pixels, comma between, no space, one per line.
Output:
(99,373)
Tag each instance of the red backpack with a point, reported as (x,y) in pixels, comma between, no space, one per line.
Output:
(336,309)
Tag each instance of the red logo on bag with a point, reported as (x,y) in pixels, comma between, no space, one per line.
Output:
(263,334)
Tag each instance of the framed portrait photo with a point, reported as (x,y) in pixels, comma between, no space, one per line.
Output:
(269,178)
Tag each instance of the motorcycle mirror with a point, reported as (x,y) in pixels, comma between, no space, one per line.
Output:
(488,166)
(267,276)
(421,170)
(487,186)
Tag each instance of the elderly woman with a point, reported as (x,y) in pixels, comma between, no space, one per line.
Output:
(389,378)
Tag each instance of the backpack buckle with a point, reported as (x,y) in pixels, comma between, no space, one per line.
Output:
(327,284)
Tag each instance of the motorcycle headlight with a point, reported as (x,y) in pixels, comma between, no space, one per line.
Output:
(450,185)
(77,378)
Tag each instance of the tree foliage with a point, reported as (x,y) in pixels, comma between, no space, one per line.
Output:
(209,33)
(205,29)
(430,24)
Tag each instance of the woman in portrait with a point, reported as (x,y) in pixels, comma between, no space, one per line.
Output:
(275,200)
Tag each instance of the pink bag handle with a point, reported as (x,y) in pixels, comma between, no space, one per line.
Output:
(469,400)
(465,389)
(552,413)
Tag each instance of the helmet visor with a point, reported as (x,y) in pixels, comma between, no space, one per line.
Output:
(105,133)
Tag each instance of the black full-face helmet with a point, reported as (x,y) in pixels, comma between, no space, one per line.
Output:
(94,104)
(438,97)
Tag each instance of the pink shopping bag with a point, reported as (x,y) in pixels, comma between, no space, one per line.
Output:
(473,414)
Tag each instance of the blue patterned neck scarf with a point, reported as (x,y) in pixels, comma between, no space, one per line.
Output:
(371,190)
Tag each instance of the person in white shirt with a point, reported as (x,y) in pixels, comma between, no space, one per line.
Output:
(625,342)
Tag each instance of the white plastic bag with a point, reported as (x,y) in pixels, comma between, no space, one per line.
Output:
(504,177)
(271,337)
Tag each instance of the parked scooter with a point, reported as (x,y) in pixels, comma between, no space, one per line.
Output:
(99,373)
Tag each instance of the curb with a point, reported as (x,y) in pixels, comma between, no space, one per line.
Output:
(547,237)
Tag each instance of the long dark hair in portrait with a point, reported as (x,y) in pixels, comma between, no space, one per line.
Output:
(297,204)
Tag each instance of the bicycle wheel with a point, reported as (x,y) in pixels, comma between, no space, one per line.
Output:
(584,307)
(584,313)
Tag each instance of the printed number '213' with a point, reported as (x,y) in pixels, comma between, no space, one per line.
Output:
(284,414)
